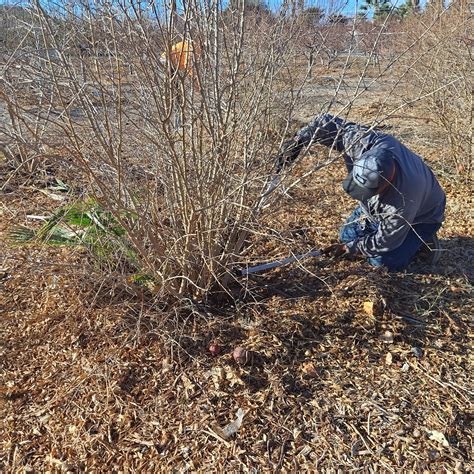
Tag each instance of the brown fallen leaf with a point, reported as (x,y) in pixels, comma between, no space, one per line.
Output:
(373,308)
(369,308)
(310,369)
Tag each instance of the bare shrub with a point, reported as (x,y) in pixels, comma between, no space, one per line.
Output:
(177,161)
(442,73)
(178,158)
(22,137)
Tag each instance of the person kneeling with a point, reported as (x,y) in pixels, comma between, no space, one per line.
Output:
(401,204)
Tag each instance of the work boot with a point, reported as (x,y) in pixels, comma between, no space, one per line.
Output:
(430,251)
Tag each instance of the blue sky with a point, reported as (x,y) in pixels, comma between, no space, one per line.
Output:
(347,7)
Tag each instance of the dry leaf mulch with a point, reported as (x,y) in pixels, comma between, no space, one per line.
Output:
(351,368)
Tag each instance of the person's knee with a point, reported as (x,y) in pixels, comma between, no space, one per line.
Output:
(350,230)
(346,234)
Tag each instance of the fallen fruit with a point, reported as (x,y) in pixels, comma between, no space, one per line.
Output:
(215,348)
(241,356)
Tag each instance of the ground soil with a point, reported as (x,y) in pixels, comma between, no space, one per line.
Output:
(350,368)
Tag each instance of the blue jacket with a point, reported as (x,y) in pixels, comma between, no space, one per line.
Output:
(414,197)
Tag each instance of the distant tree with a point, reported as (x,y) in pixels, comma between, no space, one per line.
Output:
(292,7)
(13,22)
(380,8)
(338,18)
(437,5)
(385,8)
(411,6)
(250,4)
(414,5)
(311,35)
(313,15)
(257,8)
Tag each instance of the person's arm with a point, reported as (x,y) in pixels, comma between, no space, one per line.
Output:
(324,129)
(394,225)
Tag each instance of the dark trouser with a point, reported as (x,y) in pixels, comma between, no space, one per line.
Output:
(357,226)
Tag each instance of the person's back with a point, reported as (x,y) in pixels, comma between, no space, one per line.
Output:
(415,181)
(415,185)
